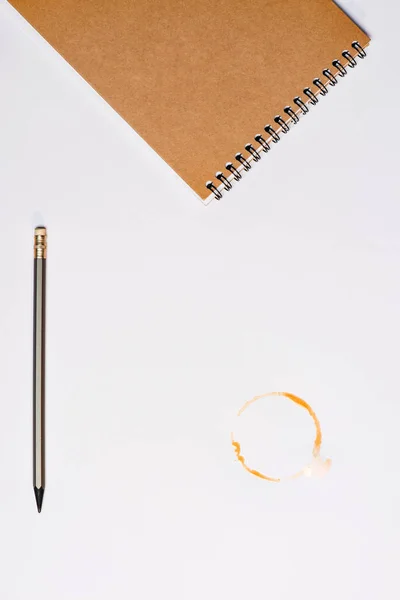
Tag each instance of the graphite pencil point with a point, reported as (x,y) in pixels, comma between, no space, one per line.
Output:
(39,493)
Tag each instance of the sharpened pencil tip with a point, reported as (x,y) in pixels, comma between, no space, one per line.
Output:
(39,492)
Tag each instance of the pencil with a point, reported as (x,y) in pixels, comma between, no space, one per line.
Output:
(39,360)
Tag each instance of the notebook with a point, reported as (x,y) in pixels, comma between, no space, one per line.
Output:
(211,86)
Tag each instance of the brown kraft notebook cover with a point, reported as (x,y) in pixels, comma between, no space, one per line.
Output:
(199,79)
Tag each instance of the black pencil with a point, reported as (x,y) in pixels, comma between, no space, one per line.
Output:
(39,360)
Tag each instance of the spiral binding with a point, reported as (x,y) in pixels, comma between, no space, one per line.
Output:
(255,154)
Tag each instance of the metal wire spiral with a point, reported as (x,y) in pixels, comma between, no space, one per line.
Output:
(302,108)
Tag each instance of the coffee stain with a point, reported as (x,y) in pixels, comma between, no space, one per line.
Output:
(318,467)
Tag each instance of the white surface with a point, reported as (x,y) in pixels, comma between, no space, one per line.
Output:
(164,317)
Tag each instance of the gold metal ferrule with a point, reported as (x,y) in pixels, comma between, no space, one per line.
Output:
(40,247)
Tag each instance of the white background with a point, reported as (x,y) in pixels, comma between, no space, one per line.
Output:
(164,317)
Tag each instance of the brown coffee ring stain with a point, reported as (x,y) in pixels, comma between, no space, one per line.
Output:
(317,441)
